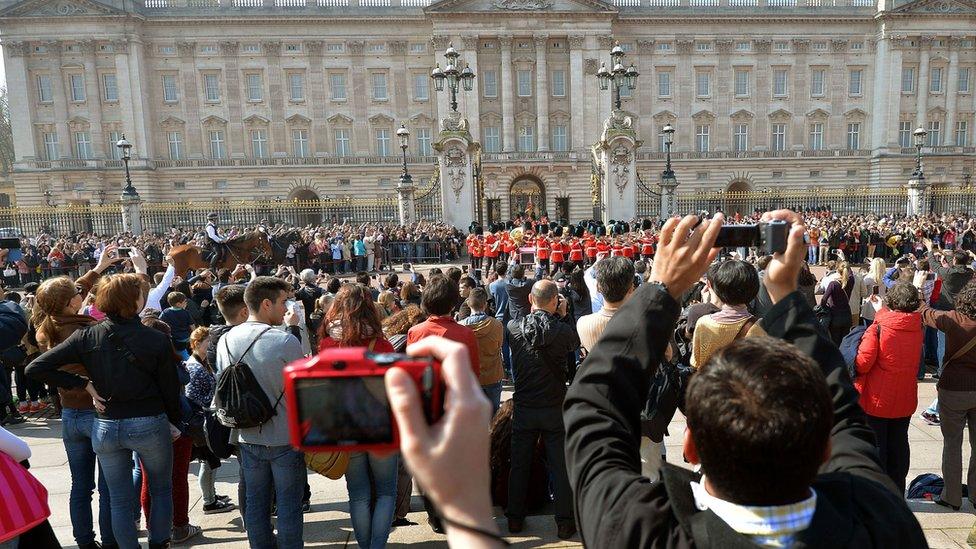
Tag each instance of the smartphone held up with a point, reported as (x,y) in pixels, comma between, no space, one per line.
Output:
(337,399)
(769,237)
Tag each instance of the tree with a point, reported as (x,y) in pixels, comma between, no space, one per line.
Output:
(6,135)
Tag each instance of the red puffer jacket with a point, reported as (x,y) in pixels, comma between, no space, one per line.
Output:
(886,374)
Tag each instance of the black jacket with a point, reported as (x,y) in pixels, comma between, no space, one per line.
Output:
(953,280)
(135,370)
(216,332)
(540,343)
(13,325)
(616,507)
(518,297)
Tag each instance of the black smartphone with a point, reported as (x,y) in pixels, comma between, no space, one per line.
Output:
(769,237)
(876,290)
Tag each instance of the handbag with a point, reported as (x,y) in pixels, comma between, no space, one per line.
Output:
(328,464)
(26,499)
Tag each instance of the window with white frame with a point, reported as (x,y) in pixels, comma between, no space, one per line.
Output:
(255,87)
(701,137)
(384,182)
(342,147)
(110,87)
(382,142)
(964,85)
(296,86)
(299,143)
(779,137)
(740,137)
(853,136)
(211,84)
(251,48)
(817,78)
(44,93)
(209,49)
(492,139)
(418,47)
(558,83)
(703,83)
(423,142)
(935,133)
(664,84)
(175,142)
(179,185)
(83,148)
(335,47)
(524,83)
(664,46)
(741,82)
(781,78)
(855,81)
(905,134)
(220,184)
(857,46)
(170,94)
(262,183)
(380,91)
(51,151)
(908,79)
(111,150)
(77,87)
(527,138)
(259,143)
(293,47)
(421,87)
(489,83)
(559,141)
(817,136)
(743,46)
(935,80)
(337,84)
(217,149)
(703,46)
(781,46)
(819,46)
(962,133)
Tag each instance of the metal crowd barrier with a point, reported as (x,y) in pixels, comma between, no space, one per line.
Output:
(414,252)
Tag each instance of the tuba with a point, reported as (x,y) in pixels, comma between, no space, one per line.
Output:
(518,235)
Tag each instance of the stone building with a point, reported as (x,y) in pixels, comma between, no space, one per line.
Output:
(285,99)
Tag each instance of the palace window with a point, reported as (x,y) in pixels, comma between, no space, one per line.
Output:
(383,142)
(423,142)
(299,142)
(558,83)
(296,85)
(170,94)
(935,80)
(817,77)
(44,94)
(380,92)
(524,83)
(211,84)
(255,88)
(77,87)
(175,142)
(854,136)
(342,147)
(489,83)
(779,137)
(337,84)
(701,137)
(217,144)
(559,142)
(527,139)
(817,136)
(908,79)
(905,134)
(83,148)
(110,88)
(421,88)
(740,137)
(259,143)
(492,141)
(856,77)
(741,82)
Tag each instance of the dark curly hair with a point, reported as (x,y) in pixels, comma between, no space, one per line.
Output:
(966,300)
(902,297)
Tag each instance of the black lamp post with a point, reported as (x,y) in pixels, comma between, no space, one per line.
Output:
(618,75)
(48,198)
(452,75)
(124,146)
(668,132)
(919,134)
(668,180)
(404,135)
(100,195)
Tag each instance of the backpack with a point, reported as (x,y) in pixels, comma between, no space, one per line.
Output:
(239,400)
(850,343)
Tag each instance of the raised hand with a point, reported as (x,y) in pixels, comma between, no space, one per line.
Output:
(783,271)
(685,252)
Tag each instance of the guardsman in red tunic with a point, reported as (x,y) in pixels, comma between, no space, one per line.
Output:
(477,252)
(647,245)
(576,252)
(558,254)
(542,252)
(602,247)
(589,249)
(616,248)
(491,251)
(469,243)
(627,248)
(509,248)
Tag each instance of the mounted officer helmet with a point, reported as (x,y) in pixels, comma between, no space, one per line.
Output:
(212,216)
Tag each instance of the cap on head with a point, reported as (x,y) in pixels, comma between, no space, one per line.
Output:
(213,215)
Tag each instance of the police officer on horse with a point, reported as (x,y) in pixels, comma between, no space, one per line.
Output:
(216,241)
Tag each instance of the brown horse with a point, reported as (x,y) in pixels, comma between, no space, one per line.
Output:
(244,248)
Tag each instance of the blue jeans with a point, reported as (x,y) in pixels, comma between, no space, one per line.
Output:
(494,394)
(278,468)
(371,526)
(114,440)
(76,433)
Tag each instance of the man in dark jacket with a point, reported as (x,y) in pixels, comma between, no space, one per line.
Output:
(518,293)
(788,458)
(540,342)
(953,277)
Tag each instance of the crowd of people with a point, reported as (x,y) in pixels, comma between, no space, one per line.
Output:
(797,407)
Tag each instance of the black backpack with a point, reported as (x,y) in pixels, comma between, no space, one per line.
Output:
(239,400)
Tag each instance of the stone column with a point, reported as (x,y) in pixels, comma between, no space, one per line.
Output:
(235,109)
(918,199)
(722,139)
(20,85)
(317,97)
(886,96)
(93,97)
(616,154)
(456,150)
(576,90)
(508,114)
(760,137)
(123,76)
(541,92)
(131,214)
(191,99)
(359,98)
(60,100)
(405,203)
(922,93)
(142,141)
(471,101)
(800,93)
(952,92)
(276,98)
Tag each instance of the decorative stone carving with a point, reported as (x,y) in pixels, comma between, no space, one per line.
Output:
(63,9)
(590,66)
(926,41)
(356,47)
(724,46)
(620,168)
(454,122)
(186,49)
(313,47)
(229,47)
(16,49)
(272,48)
(470,42)
(838,46)
(120,46)
(454,157)
(762,46)
(685,47)
(440,41)
(942,7)
(522,5)
(617,121)
(397,47)
(576,41)
(606,42)
(87,46)
(541,40)
(505,40)
(801,45)
(457,176)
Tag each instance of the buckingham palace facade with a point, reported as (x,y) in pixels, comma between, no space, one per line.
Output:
(301,99)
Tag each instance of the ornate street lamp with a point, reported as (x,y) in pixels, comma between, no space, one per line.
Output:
(919,134)
(668,180)
(124,146)
(48,198)
(619,76)
(403,134)
(452,75)
(100,195)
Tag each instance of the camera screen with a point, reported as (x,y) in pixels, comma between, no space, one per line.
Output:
(343,411)
(734,236)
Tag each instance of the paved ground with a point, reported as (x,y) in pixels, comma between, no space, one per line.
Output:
(327,525)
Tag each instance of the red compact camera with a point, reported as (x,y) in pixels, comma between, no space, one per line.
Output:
(337,399)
